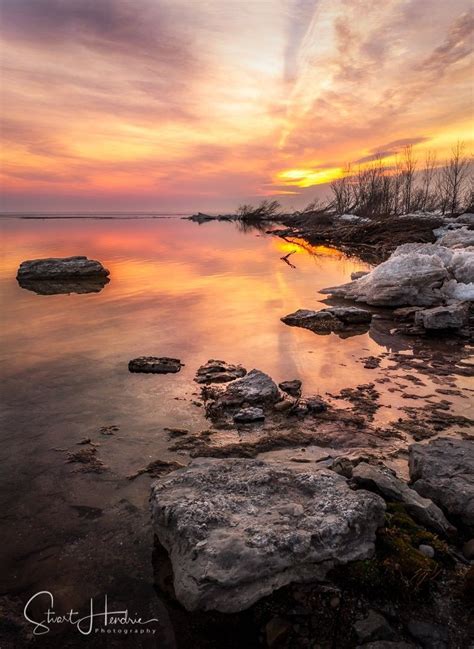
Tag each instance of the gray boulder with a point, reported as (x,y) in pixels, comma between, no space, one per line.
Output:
(385,482)
(155,365)
(61,268)
(219,372)
(443,470)
(238,529)
(254,388)
(452,316)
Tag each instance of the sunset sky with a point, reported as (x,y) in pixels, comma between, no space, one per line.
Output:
(202,104)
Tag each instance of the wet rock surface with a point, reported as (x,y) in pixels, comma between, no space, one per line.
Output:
(237,530)
(155,365)
(332,319)
(61,268)
(215,371)
(443,470)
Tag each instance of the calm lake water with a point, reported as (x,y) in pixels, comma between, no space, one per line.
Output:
(176,289)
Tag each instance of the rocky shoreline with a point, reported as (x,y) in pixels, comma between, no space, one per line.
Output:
(288,520)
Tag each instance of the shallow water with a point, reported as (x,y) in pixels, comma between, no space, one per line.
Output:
(176,289)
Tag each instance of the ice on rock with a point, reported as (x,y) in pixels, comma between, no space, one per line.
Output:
(418,274)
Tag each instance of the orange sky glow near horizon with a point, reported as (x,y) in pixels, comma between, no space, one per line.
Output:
(173,105)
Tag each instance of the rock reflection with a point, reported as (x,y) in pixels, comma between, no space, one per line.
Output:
(64,286)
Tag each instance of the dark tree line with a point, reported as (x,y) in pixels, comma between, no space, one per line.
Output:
(378,190)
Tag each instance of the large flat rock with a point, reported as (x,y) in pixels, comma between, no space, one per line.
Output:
(61,268)
(443,470)
(238,529)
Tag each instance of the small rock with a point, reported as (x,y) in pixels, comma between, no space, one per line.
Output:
(427,550)
(248,415)
(155,365)
(468,549)
(293,388)
(373,627)
(332,319)
(215,371)
(335,602)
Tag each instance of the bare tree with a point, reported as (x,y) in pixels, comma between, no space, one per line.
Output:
(408,177)
(452,179)
(427,176)
(342,191)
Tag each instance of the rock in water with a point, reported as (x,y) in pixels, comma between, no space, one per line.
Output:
(443,470)
(330,319)
(219,372)
(238,529)
(61,268)
(255,387)
(64,286)
(452,316)
(385,482)
(155,365)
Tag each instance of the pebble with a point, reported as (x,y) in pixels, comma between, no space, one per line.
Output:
(427,550)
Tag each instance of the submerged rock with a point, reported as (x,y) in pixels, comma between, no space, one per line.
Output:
(155,365)
(238,529)
(452,316)
(385,482)
(415,275)
(215,371)
(443,470)
(332,319)
(61,268)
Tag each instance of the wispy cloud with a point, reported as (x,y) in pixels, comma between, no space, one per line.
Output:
(165,99)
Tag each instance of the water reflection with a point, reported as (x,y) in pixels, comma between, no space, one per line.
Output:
(176,290)
(64,286)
